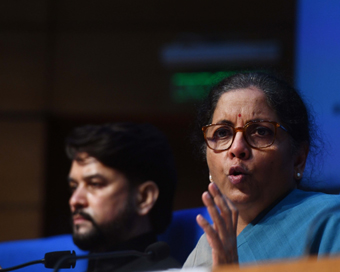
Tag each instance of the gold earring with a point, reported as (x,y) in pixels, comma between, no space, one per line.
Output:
(210,178)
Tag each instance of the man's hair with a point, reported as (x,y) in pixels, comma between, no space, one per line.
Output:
(140,151)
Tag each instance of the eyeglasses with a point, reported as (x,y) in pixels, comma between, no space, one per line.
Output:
(258,134)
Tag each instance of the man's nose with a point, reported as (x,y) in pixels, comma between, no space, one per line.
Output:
(78,198)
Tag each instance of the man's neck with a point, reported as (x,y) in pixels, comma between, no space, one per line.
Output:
(139,243)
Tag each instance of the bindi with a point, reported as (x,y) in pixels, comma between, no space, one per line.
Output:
(239,115)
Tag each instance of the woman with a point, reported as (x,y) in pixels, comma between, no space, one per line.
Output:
(257,135)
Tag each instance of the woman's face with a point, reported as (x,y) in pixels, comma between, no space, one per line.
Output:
(245,175)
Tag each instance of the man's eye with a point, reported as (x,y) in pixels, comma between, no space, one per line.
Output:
(72,187)
(94,184)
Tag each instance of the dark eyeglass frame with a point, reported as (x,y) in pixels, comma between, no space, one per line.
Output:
(242,129)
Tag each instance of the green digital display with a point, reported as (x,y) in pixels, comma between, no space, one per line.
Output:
(196,85)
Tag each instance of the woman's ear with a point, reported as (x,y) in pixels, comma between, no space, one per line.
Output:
(300,161)
(147,195)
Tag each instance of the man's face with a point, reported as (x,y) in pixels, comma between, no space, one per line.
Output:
(101,203)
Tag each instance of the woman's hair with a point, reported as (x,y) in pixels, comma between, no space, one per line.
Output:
(281,97)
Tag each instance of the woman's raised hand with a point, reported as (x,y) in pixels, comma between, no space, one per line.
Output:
(222,234)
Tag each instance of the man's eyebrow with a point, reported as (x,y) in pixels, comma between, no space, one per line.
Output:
(70,179)
(94,176)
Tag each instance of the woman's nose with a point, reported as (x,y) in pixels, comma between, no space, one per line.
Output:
(239,148)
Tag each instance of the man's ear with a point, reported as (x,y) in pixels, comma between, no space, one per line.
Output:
(300,161)
(147,195)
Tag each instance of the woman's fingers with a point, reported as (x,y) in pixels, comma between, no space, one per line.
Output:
(234,213)
(229,214)
(226,209)
(212,235)
(218,252)
(219,224)
(222,235)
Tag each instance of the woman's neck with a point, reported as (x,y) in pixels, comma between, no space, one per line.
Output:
(248,213)
(244,218)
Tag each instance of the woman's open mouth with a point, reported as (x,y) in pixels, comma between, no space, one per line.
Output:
(237,174)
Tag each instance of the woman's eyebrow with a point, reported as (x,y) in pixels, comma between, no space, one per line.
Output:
(225,122)
(258,120)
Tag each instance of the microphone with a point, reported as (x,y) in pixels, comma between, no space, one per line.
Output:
(154,253)
(50,260)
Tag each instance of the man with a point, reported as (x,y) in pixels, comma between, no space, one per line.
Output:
(122,181)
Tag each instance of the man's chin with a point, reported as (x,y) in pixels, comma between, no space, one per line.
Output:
(82,229)
(87,239)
